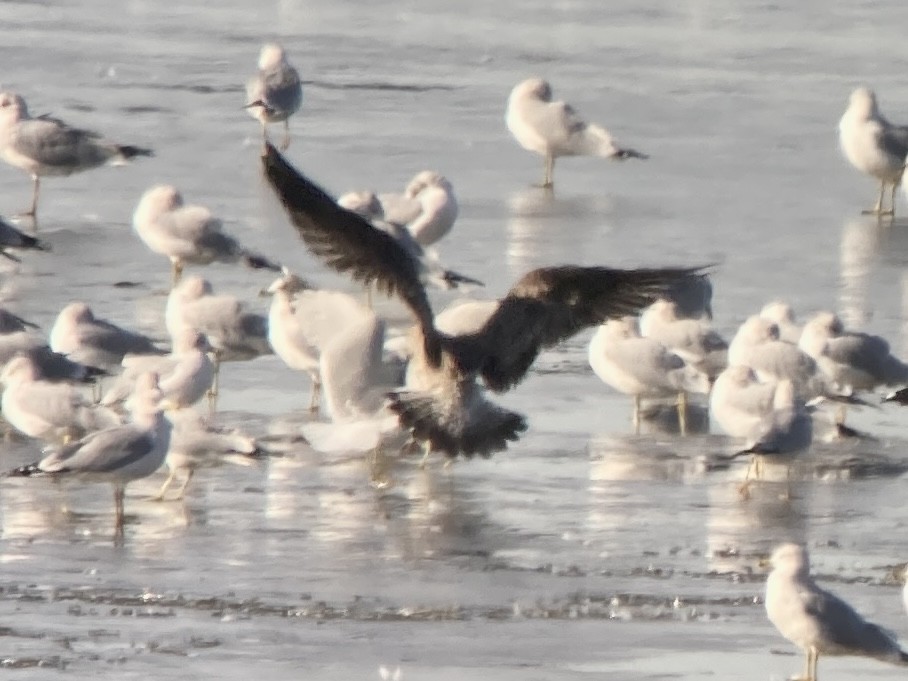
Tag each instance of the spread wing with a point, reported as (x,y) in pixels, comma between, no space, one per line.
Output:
(347,242)
(551,304)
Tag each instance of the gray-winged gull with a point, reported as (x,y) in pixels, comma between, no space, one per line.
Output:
(44,145)
(119,454)
(554,129)
(817,621)
(188,234)
(275,92)
(873,145)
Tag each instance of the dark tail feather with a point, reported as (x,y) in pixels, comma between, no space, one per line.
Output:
(624,154)
(903,657)
(259,262)
(127,151)
(24,471)
(419,413)
(899,396)
(455,279)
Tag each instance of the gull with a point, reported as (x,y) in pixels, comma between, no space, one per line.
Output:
(785,431)
(303,320)
(194,444)
(817,621)
(188,234)
(642,367)
(17,336)
(740,403)
(10,237)
(234,333)
(275,92)
(554,129)
(82,337)
(432,271)
(47,146)
(873,145)
(852,361)
(185,375)
(44,410)
(781,314)
(757,345)
(451,413)
(427,208)
(119,454)
(691,339)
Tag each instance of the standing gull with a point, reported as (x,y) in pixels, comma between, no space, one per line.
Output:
(188,234)
(47,146)
(694,340)
(119,454)
(82,337)
(642,367)
(450,413)
(554,129)
(817,621)
(275,92)
(873,145)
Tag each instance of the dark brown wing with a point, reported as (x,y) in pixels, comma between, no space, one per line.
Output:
(347,242)
(551,304)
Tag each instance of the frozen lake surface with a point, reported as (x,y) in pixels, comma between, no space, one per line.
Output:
(584,551)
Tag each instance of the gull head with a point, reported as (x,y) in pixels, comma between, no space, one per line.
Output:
(193,288)
(18,370)
(288,282)
(271,55)
(146,395)
(425,179)
(160,199)
(12,107)
(76,313)
(756,329)
(363,203)
(862,102)
(790,560)
(825,324)
(533,88)
(189,339)
(778,312)
(623,327)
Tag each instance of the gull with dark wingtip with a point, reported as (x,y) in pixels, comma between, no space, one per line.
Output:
(44,145)
(275,92)
(445,407)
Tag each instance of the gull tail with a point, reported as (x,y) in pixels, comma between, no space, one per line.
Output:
(127,152)
(484,430)
(898,396)
(624,154)
(599,141)
(259,262)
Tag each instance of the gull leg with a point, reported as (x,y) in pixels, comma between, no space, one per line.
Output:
(286,142)
(316,394)
(119,494)
(176,271)
(186,483)
(427,447)
(744,489)
(682,412)
(636,417)
(813,655)
(170,478)
(549,171)
(36,187)
(891,211)
(879,202)
(215,384)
